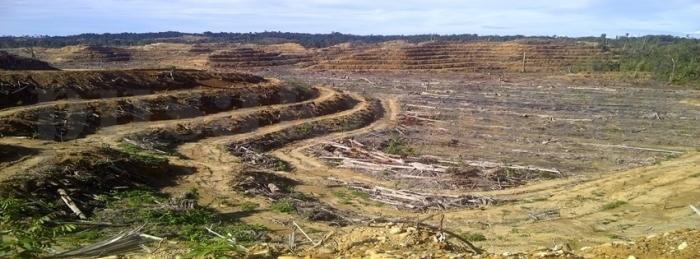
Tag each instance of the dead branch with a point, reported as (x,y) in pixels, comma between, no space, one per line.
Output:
(302,231)
(323,240)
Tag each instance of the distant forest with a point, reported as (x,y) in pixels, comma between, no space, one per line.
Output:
(665,57)
(305,39)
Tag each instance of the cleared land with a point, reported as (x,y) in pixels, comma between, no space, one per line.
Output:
(370,162)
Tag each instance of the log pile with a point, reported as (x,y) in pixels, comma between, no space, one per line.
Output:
(407,199)
(428,171)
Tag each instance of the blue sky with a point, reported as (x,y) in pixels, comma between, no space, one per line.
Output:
(364,17)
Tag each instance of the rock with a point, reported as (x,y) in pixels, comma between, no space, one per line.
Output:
(395,231)
(477,257)
(631,257)
(288,257)
(404,235)
(370,252)
(585,248)
(589,256)
(411,229)
(682,246)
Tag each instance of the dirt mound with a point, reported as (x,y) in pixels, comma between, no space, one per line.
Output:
(13,62)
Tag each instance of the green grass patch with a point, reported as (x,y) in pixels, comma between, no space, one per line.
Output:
(398,146)
(613,236)
(474,237)
(249,206)
(136,153)
(285,206)
(613,205)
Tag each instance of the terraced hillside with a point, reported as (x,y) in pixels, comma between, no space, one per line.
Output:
(94,53)
(540,56)
(249,57)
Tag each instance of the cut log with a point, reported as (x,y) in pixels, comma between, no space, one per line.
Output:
(71,205)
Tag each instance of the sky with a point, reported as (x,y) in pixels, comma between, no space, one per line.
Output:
(572,18)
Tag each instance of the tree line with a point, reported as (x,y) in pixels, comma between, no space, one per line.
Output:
(305,39)
(666,58)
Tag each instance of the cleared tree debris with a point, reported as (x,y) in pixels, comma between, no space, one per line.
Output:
(407,199)
(119,244)
(364,155)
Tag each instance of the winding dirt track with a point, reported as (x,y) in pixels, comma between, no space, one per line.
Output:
(218,163)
